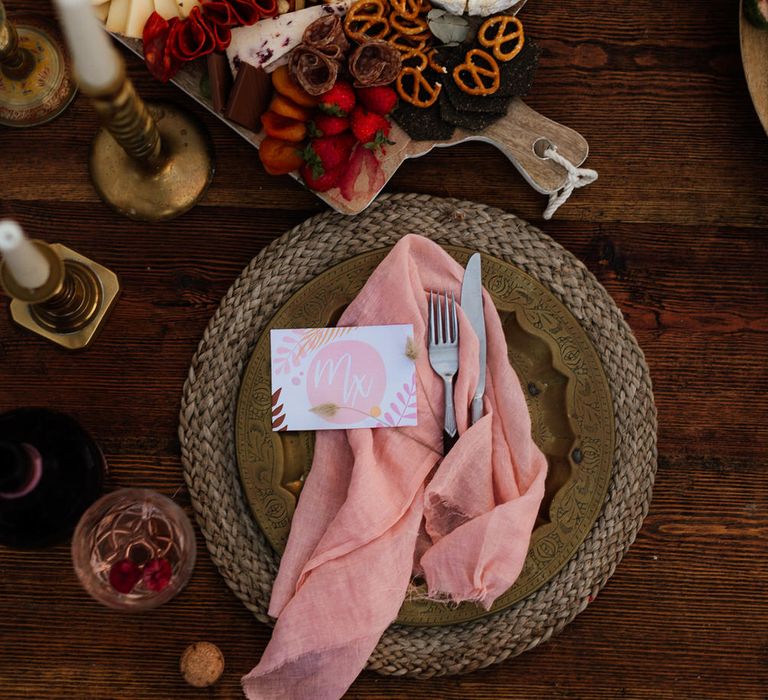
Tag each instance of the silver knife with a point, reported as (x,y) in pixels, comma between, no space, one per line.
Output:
(472,305)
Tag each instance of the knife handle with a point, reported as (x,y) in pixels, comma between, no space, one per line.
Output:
(477,409)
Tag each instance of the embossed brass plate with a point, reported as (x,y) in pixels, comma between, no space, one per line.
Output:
(568,397)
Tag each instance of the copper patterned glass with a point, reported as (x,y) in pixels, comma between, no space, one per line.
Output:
(134,549)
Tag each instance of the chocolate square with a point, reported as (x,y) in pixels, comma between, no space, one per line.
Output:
(249,97)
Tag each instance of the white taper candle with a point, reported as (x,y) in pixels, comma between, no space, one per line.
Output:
(25,263)
(97,63)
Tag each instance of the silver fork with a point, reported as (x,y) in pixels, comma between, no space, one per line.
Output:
(444,355)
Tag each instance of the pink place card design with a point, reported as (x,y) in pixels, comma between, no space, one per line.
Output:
(338,378)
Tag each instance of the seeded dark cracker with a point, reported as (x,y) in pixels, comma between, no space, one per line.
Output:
(517,75)
(422,124)
(460,100)
(472,121)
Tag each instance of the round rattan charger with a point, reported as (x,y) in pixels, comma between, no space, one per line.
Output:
(237,546)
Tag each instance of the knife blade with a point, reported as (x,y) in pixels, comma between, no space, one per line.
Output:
(472,305)
(516,8)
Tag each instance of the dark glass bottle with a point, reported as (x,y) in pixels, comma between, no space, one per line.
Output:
(50,472)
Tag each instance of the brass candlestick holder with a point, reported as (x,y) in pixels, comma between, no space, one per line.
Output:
(36,83)
(149,161)
(72,305)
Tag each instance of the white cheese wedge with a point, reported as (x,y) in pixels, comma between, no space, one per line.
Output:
(167,9)
(455,7)
(186,6)
(483,8)
(117,19)
(270,39)
(102,11)
(138,16)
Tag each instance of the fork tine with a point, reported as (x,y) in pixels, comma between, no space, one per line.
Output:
(431,317)
(439,319)
(447,318)
(455,323)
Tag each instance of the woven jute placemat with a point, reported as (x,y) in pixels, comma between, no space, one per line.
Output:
(236,544)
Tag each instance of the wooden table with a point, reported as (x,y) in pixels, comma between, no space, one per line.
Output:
(675,229)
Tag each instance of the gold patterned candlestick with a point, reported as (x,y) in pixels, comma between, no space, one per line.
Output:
(36,82)
(71,297)
(149,162)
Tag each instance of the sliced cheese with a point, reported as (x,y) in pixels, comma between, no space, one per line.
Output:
(167,9)
(484,8)
(117,19)
(137,17)
(455,7)
(270,39)
(101,11)
(186,6)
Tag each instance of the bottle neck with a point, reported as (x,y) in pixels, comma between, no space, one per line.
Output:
(21,467)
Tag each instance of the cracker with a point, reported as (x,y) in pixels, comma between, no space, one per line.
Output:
(422,124)
(472,121)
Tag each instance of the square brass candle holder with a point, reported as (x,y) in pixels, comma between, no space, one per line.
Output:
(72,305)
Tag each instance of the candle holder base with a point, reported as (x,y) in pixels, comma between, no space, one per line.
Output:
(74,325)
(145,195)
(42,87)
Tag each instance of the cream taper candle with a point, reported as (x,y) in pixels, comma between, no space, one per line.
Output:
(25,263)
(97,63)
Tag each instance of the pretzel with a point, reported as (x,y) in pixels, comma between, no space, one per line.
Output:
(478,72)
(410,9)
(433,64)
(407,44)
(415,59)
(497,39)
(366,20)
(421,86)
(409,27)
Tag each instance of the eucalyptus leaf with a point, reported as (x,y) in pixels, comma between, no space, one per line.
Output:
(447,27)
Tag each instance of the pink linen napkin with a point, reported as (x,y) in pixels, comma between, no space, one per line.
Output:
(369,514)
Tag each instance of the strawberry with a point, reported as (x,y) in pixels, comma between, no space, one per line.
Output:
(326,160)
(328,125)
(322,181)
(369,128)
(339,100)
(328,152)
(381,100)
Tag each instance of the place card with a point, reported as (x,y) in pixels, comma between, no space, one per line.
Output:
(338,378)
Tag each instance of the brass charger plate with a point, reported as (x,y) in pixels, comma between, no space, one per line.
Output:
(754,56)
(567,393)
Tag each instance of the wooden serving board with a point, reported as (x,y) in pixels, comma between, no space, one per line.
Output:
(754,56)
(522,135)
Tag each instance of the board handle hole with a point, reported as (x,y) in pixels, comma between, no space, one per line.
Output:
(540,147)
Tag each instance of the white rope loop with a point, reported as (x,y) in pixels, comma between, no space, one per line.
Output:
(577,177)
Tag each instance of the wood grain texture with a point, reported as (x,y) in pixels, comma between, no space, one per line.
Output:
(675,228)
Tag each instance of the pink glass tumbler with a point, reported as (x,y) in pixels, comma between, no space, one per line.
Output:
(134,549)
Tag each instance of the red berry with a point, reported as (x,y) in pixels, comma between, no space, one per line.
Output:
(328,125)
(124,575)
(328,153)
(380,99)
(339,100)
(157,574)
(369,128)
(320,181)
